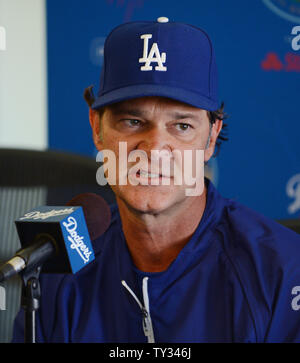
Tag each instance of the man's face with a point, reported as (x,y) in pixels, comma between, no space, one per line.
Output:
(147,124)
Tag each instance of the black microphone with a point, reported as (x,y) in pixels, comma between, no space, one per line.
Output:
(59,238)
(30,257)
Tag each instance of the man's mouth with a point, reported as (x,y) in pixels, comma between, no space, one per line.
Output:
(145,174)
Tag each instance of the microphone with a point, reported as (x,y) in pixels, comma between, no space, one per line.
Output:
(59,238)
(96,211)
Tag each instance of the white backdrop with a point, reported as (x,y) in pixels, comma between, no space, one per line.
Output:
(23,80)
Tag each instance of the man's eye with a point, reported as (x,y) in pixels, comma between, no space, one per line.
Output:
(132,122)
(183,127)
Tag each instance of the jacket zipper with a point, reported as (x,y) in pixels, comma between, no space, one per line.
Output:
(147,322)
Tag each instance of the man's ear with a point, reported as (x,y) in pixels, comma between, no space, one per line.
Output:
(96,128)
(215,130)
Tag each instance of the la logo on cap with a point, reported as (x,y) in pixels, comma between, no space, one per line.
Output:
(153,56)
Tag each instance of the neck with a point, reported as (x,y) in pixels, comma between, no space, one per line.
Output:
(154,241)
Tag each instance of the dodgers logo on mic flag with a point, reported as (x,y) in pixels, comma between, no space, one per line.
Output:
(68,227)
(77,240)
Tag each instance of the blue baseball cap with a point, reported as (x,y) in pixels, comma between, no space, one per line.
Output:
(158,58)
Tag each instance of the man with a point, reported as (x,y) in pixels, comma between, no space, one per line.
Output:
(171,267)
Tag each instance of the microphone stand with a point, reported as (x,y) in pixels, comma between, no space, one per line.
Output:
(30,301)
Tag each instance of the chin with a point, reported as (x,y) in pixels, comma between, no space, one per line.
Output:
(146,199)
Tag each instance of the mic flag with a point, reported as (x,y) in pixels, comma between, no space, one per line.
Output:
(68,231)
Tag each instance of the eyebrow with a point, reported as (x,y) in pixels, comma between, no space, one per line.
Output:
(176,115)
(183,115)
(128,111)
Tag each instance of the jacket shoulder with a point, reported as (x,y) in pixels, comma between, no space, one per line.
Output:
(252,231)
(265,256)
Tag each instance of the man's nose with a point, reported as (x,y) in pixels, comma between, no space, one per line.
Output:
(156,138)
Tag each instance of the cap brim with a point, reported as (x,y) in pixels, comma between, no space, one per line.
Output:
(137,91)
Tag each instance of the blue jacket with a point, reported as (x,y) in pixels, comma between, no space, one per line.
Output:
(236,280)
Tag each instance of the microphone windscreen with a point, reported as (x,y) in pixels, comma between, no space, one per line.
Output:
(96,212)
